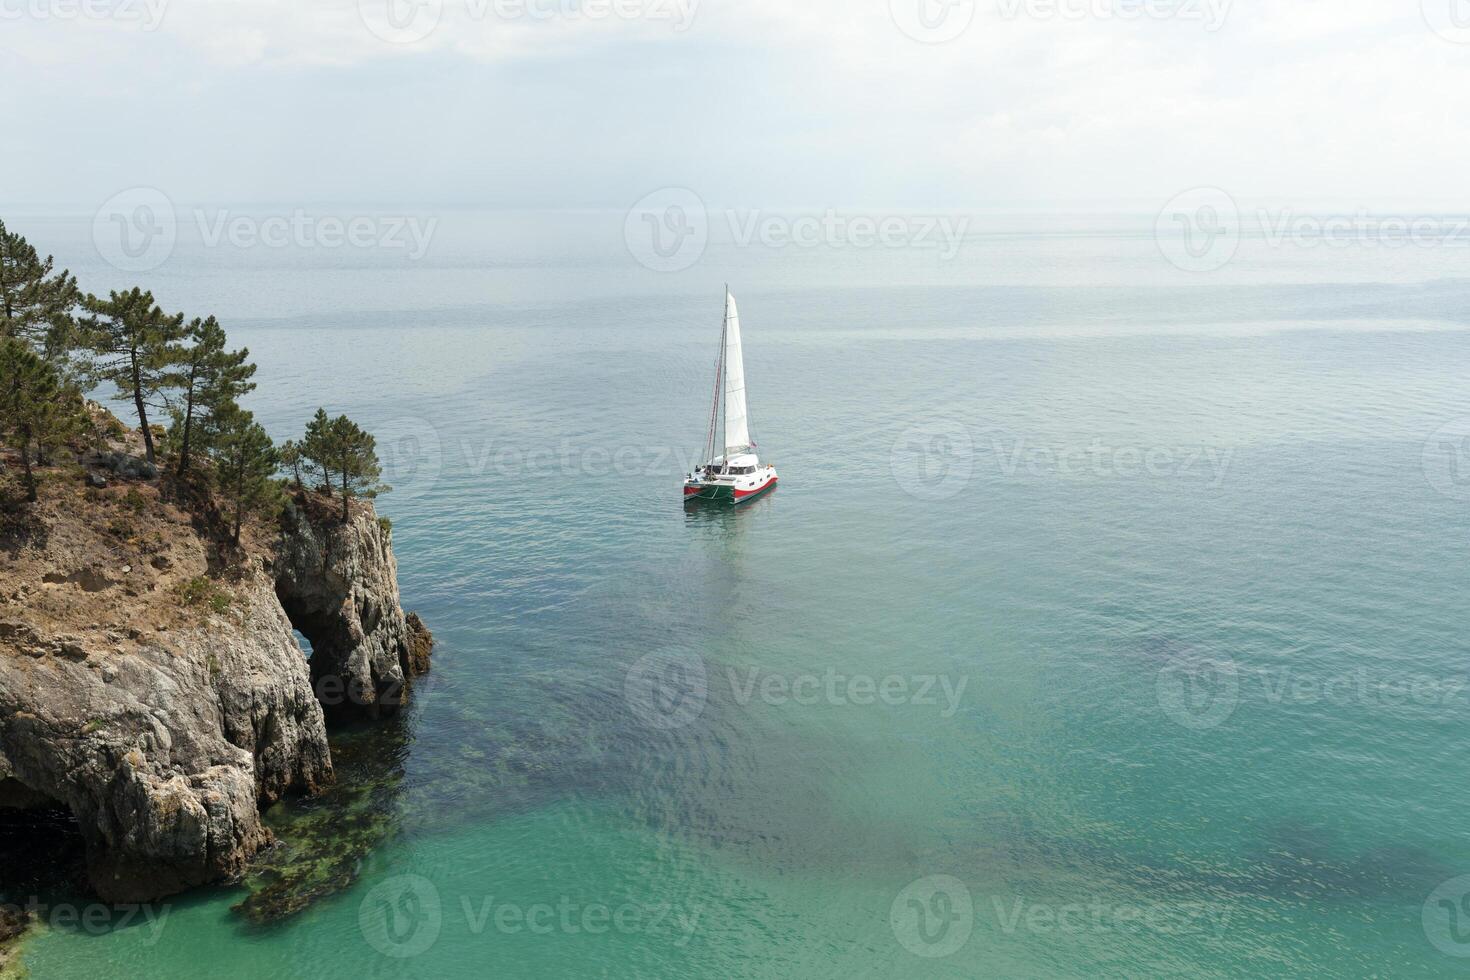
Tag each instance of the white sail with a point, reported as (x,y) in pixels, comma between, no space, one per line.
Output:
(737,426)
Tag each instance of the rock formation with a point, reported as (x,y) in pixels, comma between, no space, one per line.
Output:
(339,584)
(150,680)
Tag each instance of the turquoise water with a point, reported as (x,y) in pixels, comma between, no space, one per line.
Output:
(1108,620)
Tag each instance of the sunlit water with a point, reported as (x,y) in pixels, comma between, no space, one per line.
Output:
(1109,619)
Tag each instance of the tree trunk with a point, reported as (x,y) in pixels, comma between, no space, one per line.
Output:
(25,461)
(188,424)
(239,504)
(142,410)
(344,496)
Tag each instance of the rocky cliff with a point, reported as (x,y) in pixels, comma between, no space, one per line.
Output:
(150,681)
(338,581)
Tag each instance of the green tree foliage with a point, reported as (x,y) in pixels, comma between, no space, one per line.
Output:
(245,462)
(207,378)
(293,460)
(136,344)
(36,304)
(346,455)
(37,412)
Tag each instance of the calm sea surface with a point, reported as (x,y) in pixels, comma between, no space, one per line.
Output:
(1109,618)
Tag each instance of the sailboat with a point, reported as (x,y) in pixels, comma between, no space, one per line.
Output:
(734,471)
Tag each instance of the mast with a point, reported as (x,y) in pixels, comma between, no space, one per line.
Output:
(714,418)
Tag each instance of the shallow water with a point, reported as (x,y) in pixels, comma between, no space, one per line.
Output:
(1128,601)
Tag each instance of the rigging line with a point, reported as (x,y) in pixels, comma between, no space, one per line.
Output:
(709,445)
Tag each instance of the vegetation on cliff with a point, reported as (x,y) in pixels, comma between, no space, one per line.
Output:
(151,579)
(58,344)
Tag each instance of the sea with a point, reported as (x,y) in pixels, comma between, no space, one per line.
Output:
(1109,617)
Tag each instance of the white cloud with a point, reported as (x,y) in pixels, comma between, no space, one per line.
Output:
(1037,102)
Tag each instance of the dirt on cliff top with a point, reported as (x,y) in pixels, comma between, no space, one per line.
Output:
(111,558)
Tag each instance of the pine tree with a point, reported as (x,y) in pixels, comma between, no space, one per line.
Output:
(36,304)
(207,377)
(292,459)
(137,344)
(37,412)
(347,456)
(245,461)
(316,446)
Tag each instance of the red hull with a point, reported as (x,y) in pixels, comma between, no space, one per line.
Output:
(742,495)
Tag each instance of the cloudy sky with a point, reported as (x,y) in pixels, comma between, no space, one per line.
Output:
(769,103)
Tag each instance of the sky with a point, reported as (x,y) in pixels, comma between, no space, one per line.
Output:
(938,104)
